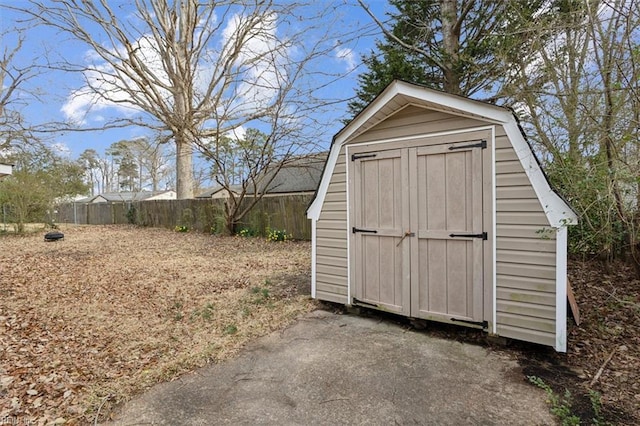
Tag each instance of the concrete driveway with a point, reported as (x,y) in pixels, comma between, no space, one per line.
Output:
(330,369)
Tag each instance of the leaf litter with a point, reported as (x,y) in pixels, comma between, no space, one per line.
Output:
(88,322)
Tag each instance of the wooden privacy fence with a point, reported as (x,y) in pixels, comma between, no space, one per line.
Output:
(92,214)
(286,212)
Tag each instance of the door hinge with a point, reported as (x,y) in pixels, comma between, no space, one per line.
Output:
(483,324)
(355,157)
(482,144)
(369,231)
(484,236)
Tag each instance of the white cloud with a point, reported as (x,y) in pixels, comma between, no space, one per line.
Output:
(347,56)
(80,103)
(104,86)
(260,62)
(237,133)
(60,149)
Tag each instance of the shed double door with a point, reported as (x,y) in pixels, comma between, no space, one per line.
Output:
(417,230)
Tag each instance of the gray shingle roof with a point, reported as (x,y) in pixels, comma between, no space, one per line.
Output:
(127,196)
(298,175)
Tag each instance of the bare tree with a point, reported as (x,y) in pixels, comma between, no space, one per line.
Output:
(12,91)
(89,160)
(153,162)
(198,70)
(577,92)
(147,161)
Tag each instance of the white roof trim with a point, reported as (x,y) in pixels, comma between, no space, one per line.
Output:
(557,211)
(313,212)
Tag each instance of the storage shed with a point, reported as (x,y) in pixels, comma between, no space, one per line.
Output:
(434,206)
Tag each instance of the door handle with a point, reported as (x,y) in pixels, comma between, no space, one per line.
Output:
(406,234)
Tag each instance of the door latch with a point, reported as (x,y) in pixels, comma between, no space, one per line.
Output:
(406,234)
(355,157)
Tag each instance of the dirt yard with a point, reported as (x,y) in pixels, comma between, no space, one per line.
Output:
(87,322)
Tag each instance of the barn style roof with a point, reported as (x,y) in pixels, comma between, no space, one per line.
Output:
(399,95)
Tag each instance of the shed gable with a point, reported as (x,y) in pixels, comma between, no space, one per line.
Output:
(413,120)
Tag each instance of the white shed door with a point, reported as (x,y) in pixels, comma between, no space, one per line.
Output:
(417,230)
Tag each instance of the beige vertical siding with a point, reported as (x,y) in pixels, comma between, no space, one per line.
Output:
(331,239)
(525,255)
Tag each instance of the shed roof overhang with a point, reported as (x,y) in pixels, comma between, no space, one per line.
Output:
(399,94)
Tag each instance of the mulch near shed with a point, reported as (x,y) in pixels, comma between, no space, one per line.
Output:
(610,330)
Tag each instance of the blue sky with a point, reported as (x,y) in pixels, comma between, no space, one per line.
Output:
(47,97)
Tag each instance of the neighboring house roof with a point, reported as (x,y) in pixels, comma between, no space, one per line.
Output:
(5,170)
(298,175)
(218,190)
(73,199)
(400,94)
(84,200)
(111,197)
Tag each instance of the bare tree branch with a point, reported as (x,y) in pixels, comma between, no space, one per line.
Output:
(198,70)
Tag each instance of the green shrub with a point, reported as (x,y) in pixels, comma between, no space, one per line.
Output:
(560,406)
(277,235)
(132,215)
(186,218)
(219,226)
(247,232)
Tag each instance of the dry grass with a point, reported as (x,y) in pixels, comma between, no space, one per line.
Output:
(87,322)
(10,228)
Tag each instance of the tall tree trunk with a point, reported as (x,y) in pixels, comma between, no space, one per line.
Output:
(451,45)
(154,180)
(184,167)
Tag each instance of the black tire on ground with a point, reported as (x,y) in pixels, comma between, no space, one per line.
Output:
(53,236)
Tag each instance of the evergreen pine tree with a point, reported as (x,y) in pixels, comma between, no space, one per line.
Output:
(458,46)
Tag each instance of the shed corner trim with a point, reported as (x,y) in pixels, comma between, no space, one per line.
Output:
(561,289)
